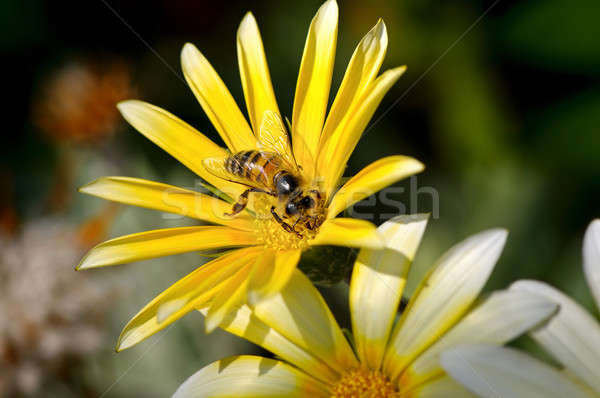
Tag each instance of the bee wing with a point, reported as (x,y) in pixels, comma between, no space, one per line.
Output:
(216,167)
(273,137)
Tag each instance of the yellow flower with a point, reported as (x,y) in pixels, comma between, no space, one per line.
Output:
(390,358)
(572,337)
(266,255)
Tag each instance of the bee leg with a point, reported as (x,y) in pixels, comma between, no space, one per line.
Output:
(283,224)
(296,222)
(294,227)
(243,201)
(308,224)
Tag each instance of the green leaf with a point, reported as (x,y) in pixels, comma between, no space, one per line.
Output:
(328,265)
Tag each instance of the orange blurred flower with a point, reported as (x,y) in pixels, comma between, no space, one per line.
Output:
(77,102)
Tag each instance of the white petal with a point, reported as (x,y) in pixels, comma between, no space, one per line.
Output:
(500,318)
(250,376)
(591,258)
(572,336)
(443,297)
(377,282)
(492,371)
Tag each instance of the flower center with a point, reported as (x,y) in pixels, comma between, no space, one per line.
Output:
(271,233)
(363,383)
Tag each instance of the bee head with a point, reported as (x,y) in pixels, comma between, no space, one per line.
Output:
(313,208)
(307,202)
(300,203)
(311,203)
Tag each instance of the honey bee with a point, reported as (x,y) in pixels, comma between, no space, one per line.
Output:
(272,170)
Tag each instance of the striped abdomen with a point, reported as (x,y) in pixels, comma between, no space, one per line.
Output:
(256,166)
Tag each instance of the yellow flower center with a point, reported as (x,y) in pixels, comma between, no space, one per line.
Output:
(271,234)
(363,383)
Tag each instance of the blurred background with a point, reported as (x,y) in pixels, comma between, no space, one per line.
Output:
(502,107)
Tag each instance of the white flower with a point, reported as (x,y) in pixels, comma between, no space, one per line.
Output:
(572,337)
(392,357)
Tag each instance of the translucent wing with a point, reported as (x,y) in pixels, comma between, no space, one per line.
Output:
(217,167)
(273,137)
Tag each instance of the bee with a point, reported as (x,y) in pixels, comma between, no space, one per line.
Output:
(272,170)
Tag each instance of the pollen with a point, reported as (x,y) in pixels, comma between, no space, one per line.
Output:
(363,383)
(271,234)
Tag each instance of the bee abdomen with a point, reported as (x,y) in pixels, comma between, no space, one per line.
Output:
(257,166)
(239,163)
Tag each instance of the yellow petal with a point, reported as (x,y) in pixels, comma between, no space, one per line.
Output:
(572,336)
(314,82)
(300,314)
(245,324)
(215,99)
(377,282)
(230,297)
(250,377)
(337,149)
(164,242)
(443,297)
(177,138)
(371,179)
(184,296)
(271,273)
(350,232)
(163,197)
(361,71)
(502,317)
(254,72)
